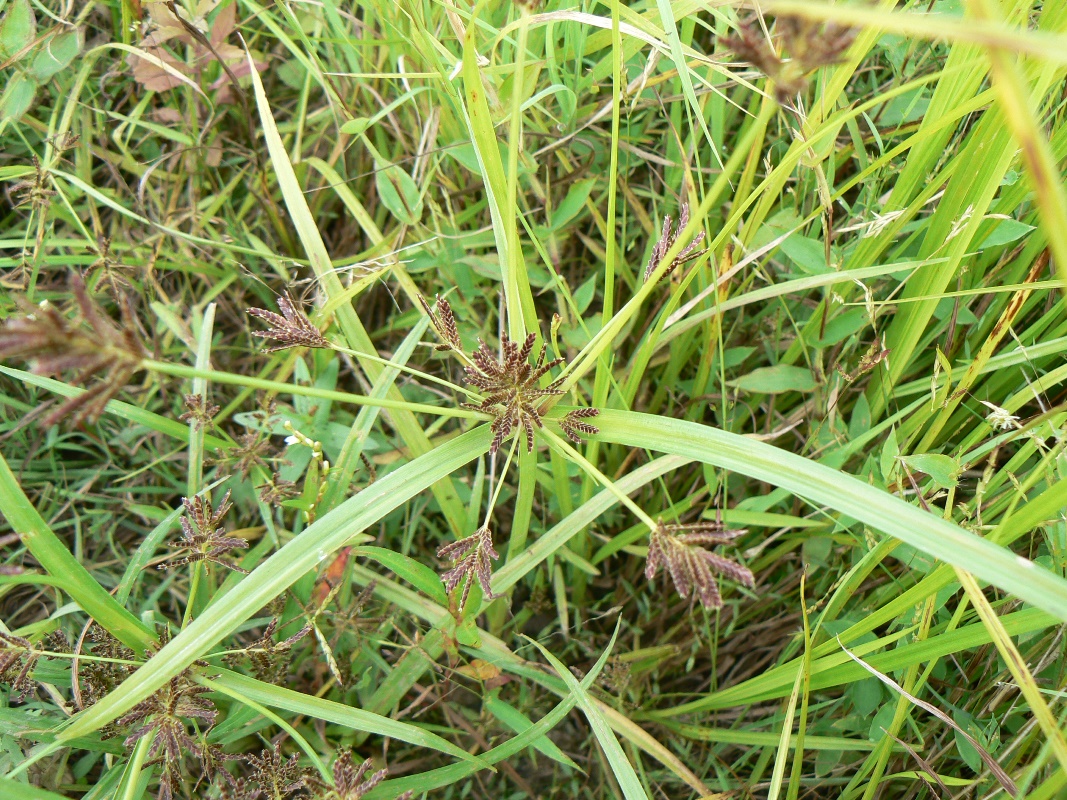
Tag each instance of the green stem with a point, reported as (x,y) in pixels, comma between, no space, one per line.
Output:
(182,371)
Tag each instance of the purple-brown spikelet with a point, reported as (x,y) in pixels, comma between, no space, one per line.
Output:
(472,558)
(203,535)
(444,323)
(573,425)
(679,548)
(511,387)
(667,238)
(291,328)
(89,345)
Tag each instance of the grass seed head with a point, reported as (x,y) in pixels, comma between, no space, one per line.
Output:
(573,425)
(680,549)
(444,324)
(291,328)
(203,535)
(472,559)
(89,345)
(667,238)
(199,412)
(511,385)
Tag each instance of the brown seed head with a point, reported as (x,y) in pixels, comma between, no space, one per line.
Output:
(692,568)
(472,558)
(291,328)
(666,240)
(511,385)
(573,426)
(444,324)
(203,535)
(89,345)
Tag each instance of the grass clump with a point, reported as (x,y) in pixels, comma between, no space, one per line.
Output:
(323,551)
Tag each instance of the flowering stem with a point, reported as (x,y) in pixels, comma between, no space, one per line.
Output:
(182,371)
(409,370)
(500,481)
(598,476)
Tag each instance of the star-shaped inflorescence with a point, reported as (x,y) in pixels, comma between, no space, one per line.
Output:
(472,558)
(202,534)
(510,384)
(291,328)
(692,568)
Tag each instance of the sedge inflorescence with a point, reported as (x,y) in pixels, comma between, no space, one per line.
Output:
(681,550)
(509,382)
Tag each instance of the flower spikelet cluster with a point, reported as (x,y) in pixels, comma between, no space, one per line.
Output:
(692,568)
(573,424)
(444,323)
(510,382)
(164,716)
(810,43)
(203,535)
(511,387)
(291,328)
(89,345)
(667,238)
(472,558)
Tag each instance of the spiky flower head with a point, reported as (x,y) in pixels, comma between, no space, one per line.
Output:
(89,345)
(667,238)
(472,558)
(573,425)
(291,328)
(17,661)
(203,535)
(1000,418)
(692,568)
(444,323)
(199,412)
(511,387)
(810,43)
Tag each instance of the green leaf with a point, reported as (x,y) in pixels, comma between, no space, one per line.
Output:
(337,713)
(882,722)
(943,470)
(621,767)
(399,194)
(1009,230)
(17,97)
(572,203)
(17,29)
(849,495)
(297,558)
(519,723)
(13,790)
(56,54)
(418,575)
(584,296)
(52,554)
(888,460)
(808,254)
(776,379)
(356,126)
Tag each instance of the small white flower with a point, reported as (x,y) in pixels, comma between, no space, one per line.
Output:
(292,440)
(1000,418)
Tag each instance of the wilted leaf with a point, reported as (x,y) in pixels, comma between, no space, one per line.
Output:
(480,670)
(167,28)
